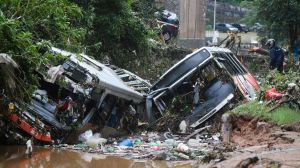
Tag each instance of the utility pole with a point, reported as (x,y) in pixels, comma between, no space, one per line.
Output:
(215,40)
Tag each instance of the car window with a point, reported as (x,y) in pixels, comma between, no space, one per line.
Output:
(231,63)
(182,69)
(228,25)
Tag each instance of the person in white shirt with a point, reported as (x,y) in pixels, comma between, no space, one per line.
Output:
(29,144)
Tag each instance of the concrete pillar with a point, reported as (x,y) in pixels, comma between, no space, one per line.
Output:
(192,23)
(226,128)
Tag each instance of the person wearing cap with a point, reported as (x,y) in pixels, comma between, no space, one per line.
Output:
(276,55)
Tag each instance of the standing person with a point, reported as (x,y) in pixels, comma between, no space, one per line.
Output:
(276,55)
(296,54)
(29,144)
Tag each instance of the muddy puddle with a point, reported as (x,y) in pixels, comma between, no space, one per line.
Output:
(14,157)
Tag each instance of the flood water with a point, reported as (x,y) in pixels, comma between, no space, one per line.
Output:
(14,157)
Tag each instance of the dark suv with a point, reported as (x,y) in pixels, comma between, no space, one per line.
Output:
(169,23)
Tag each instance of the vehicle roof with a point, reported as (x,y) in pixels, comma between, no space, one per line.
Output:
(108,79)
(170,15)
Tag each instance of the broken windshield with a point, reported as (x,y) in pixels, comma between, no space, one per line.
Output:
(75,72)
(231,64)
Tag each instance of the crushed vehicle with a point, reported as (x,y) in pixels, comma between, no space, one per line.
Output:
(80,90)
(76,90)
(209,78)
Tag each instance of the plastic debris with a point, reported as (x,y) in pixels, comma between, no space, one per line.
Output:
(86,135)
(181,155)
(272,94)
(170,142)
(151,146)
(156,148)
(94,142)
(126,142)
(168,135)
(137,142)
(110,149)
(182,147)
(194,143)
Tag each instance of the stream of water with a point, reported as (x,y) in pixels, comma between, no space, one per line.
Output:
(15,157)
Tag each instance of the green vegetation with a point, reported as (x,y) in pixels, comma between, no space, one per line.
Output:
(286,113)
(115,31)
(280,81)
(26,27)
(103,28)
(281,115)
(281,19)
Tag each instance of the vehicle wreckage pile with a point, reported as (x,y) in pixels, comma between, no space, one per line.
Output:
(78,93)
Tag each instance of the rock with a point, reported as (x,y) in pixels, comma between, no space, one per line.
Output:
(247,162)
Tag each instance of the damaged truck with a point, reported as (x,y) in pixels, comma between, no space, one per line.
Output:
(208,79)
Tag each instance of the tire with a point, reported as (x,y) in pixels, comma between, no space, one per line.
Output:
(167,36)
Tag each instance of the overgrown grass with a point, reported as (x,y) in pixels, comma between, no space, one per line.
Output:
(281,115)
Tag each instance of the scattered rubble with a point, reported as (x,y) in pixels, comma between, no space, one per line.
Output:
(152,145)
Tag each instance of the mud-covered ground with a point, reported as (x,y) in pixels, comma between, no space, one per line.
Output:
(258,143)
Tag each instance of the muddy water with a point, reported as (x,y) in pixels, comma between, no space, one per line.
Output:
(14,157)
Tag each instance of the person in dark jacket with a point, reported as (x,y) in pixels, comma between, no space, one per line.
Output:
(276,55)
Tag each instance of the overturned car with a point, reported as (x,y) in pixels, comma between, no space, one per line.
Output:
(208,78)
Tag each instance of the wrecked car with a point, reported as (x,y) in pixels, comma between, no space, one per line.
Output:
(209,78)
(81,90)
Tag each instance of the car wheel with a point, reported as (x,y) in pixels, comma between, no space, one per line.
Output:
(167,36)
